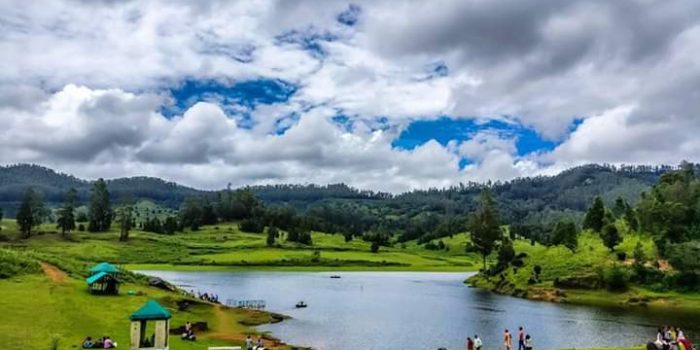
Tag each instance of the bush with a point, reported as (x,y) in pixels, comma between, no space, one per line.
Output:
(617,279)
(81,228)
(375,247)
(537,270)
(252,225)
(14,263)
(621,256)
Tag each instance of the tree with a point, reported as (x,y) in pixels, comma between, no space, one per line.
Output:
(484,225)
(99,211)
(620,207)
(191,213)
(66,215)
(611,236)
(506,253)
(31,212)
(208,213)
(170,225)
(125,217)
(272,234)
(631,218)
(565,234)
(595,217)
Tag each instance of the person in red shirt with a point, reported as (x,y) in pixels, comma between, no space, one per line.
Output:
(470,344)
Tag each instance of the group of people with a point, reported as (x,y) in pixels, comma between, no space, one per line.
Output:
(210,297)
(670,338)
(525,341)
(102,343)
(250,345)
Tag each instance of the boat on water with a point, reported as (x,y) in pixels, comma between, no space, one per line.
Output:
(300,305)
(335,276)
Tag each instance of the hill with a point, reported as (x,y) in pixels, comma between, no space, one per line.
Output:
(338,208)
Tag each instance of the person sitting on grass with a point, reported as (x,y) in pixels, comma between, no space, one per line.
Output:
(259,344)
(189,335)
(528,344)
(109,344)
(88,343)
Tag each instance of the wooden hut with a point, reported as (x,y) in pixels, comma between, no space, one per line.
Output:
(159,340)
(104,279)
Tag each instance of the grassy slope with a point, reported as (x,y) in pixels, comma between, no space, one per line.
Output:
(37,308)
(591,257)
(225,247)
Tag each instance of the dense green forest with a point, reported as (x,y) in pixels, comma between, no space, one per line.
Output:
(538,203)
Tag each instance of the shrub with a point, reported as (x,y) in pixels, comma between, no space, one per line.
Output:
(616,279)
(537,270)
(14,263)
(622,256)
(375,247)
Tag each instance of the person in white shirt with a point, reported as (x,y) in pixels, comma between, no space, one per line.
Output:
(477,342)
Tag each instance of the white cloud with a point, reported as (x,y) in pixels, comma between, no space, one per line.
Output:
(81,86)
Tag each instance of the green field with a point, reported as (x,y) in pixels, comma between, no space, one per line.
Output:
(226,247)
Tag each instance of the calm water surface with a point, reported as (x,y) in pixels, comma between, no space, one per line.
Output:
(415,310)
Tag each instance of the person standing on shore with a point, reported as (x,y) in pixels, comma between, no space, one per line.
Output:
(470,344)
(528,342)
(521,338)
(477,342)
(507,340)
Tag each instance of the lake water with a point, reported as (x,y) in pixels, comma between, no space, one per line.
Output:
(415,310)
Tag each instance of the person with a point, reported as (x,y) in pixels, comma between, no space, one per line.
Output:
(660,342)
(507,340)
(470,343)
(188,326)
(521,338)
(108,343)
(528,344)
(87,343)
(259,344)
(248,343)
(477,342)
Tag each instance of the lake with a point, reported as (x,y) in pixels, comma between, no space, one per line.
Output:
(417,310)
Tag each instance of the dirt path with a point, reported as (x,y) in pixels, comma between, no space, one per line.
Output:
(53,273)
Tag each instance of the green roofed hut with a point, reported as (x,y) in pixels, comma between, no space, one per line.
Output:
(104,279)
(159,340)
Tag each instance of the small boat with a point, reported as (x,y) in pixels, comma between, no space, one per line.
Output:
(335,276)
(301,304)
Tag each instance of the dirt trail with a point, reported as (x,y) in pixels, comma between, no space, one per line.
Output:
(53,273)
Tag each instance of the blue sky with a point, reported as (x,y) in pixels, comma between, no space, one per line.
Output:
(208,92)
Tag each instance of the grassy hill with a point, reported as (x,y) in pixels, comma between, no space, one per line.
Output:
(581,276)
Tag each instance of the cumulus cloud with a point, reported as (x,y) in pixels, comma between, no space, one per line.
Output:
(83,84)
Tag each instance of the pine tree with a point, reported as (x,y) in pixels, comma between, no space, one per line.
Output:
(620,207)
(565,233)
(484,226)
(191,213)
(611,236)
(66,216)
(595,217)
(125,217)
(100,211)
(30,213)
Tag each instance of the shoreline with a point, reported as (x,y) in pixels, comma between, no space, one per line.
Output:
(295,268)
(636,298)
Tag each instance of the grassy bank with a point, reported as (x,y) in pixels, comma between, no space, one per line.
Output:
(41,304)
(585,266)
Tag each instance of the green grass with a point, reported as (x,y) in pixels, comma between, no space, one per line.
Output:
(225,245)
(590,258)
(37,309)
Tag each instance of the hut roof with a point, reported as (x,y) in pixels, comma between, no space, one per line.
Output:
(104,267)
(96,277)
(151,310)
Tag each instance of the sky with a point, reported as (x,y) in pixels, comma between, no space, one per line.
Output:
(382,95)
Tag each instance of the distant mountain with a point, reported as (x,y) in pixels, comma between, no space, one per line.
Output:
(538,199)
(14,180)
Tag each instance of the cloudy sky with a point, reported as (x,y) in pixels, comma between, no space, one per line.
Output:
(385,95)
